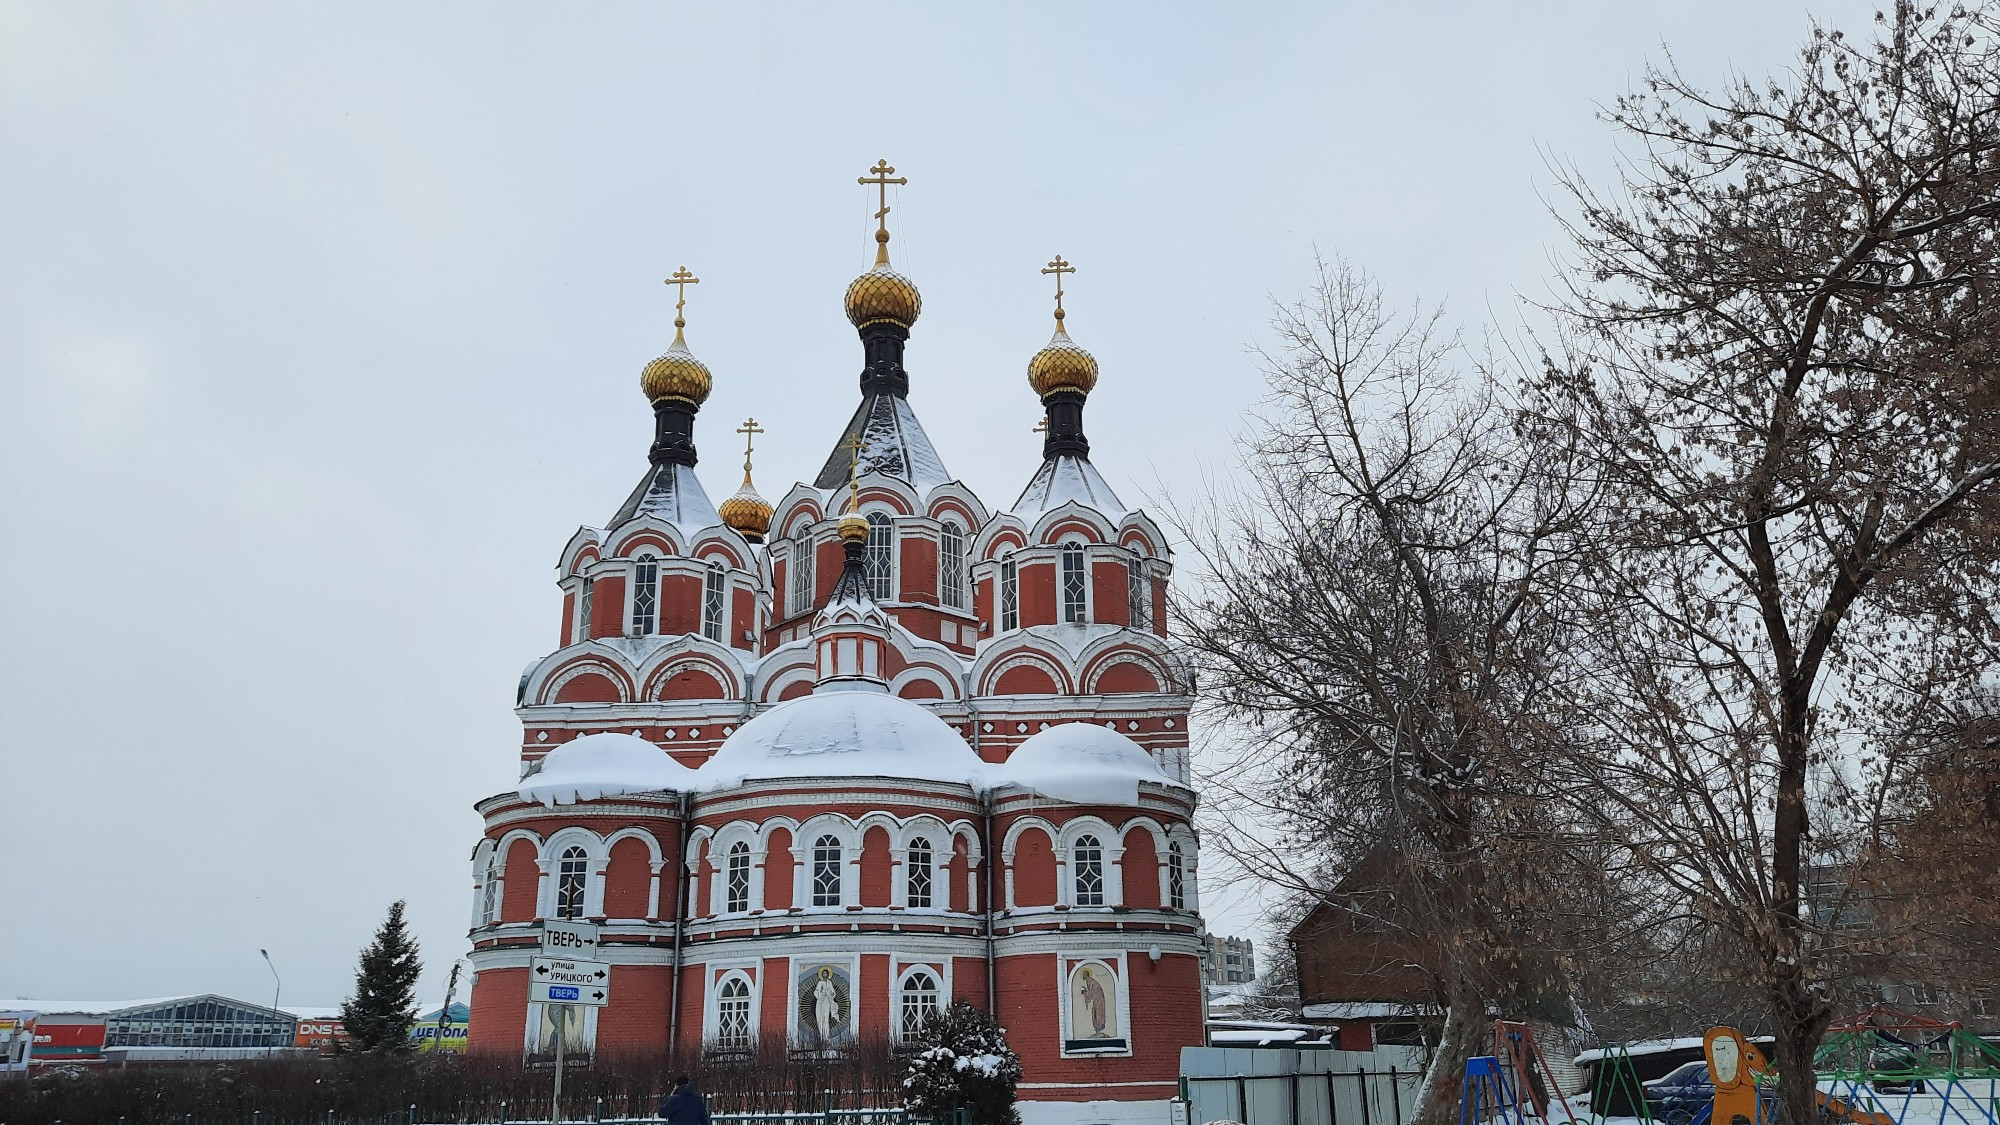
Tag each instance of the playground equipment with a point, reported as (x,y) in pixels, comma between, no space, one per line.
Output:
(1885,1067)
(1513,1084)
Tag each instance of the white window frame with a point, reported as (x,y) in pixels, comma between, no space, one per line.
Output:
(1007,595)
(572,874)
(878,557)
(930,872)
(644,620)
(802,594)
(723,978)
(732,903)
(714,603)
(1077,861)
(952,572)
(1138,595)
(580,628)
(1176,876)
(839,860)
(900,1002)
(1074,612)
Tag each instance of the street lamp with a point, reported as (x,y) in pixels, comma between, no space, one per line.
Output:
(277,988)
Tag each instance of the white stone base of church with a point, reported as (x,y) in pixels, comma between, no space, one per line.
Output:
(1094,1113)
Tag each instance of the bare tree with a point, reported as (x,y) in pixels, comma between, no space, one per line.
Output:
(1366,622)
(1790,411)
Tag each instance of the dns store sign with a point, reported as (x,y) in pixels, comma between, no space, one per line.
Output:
(320,1035)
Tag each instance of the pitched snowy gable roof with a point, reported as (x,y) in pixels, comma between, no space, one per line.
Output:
(893,443)
(1083,763)
(603,765)
(670,492)
(1066,480)
(844,734)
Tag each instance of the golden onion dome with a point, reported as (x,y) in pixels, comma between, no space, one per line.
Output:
(883,294)
(747,513)
(1062,366)
(677,374)
(853,528)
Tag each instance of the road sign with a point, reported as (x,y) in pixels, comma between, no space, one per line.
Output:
(561,980)
(572,939)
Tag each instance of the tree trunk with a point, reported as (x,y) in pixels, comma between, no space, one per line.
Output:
(1800,1020)
(1462,1038)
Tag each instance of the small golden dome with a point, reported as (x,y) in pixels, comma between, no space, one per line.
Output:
(677,374)
(853,528)
(883,294)
(1062,366)
(746,512)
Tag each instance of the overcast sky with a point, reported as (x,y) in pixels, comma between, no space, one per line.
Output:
(321,325)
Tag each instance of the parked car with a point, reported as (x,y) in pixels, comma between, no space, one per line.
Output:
(1686,1093)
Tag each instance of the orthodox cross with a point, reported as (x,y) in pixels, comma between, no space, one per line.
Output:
(879,176)
(749,429)
(853,444)
(1059,268)
(682,278)
(1042,426)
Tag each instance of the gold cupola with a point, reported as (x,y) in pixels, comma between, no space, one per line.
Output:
(678,374)
(747,513)
(882,294)
(1062,365)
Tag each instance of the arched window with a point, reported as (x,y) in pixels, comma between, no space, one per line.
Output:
(1087,867)
(1074,583)
(1176,877)
(919,1003)
(489,902)
(879,563)
(1138,600)
(736,895)
(1010,595)
(826,871)
(920,866)
(645,596)
(801,600)
(582,631)
(732,1014)
(951,565)
(571,874)
(711,602)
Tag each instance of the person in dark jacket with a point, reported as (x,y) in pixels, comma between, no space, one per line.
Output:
(685,1106)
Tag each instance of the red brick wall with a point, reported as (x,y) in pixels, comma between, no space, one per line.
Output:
(628,880)
(920,570)
(568,619)
(680,604)
(692,1000)
(875,867)
(1038,594)
(955,870)
(589,688)
(1125,676)
(636,1018)
(982,603)
(1160,606)
(704,881)
(1034,869)
(607,606)
(1025,679)
(774,1023)
(499,1012)
(778,871)
(1140,869)
(523,879)
(1107,594)
(968,981)
(874,989)
(781,592)
(742,620)
(828,560)
(1165,1009)
(691,683)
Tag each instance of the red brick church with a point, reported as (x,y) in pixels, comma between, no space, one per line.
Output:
(818,768)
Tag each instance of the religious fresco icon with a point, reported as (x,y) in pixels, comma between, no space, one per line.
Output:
(825,1009)
(1093,1009)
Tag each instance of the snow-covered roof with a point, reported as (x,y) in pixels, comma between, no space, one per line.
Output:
(603,765)
(1084,763)
(1656,1047)
(88,1007)
(1357,1010)
(672,493)
(843,734)
(1062,480)
(893,443)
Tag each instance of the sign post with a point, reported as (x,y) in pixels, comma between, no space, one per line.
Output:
(561,981)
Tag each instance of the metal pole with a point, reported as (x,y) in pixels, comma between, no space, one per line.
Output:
(276,991)
(559,1012)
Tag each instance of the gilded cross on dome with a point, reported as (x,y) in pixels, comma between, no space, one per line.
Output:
(682,278)
(1059,268)
(880,177)
(749,429)
(853,444)
(1042,426)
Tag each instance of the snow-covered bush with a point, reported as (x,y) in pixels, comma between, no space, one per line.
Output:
(962,1060)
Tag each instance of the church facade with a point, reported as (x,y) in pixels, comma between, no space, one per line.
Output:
(818,768)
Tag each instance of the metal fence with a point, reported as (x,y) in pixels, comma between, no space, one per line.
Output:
(1357,1097)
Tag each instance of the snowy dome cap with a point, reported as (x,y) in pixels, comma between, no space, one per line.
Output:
(603,765)
(1084,763)
(844,734)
